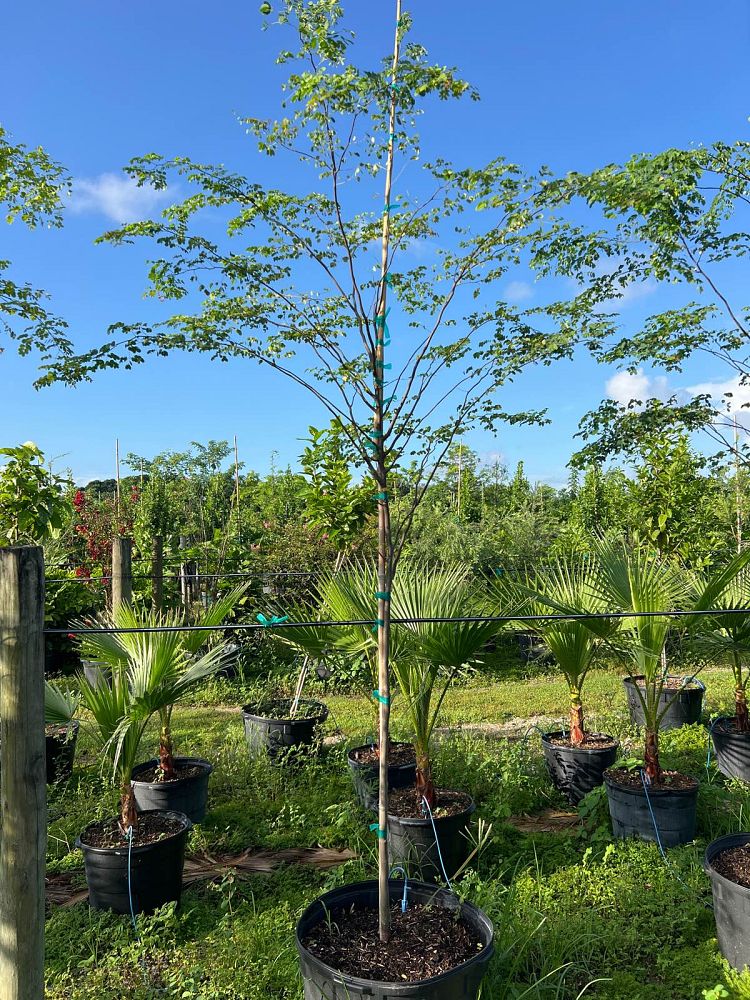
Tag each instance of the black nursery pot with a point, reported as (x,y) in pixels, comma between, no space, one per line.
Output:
(321,982)
(277,737)
(731,904)
(673,808)
(60,751)
(685,706)
(186,795)
(365,777)
(412,844)
(155,872)
(575,771)
(732,749)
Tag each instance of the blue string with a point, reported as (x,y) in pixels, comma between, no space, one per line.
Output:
(437,842)
(398,868)
(130,891)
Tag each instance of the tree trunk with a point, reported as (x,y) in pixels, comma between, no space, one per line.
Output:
(577,731)
(424,785)
(128,812)
(741,719)
(651,758)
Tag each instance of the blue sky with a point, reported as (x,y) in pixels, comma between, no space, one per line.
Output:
(573,86)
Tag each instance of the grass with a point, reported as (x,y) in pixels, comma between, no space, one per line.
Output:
(570,909)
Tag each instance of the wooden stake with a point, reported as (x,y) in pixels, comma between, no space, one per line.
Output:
(24,780)
(122,572)
(157,573)
(117,474)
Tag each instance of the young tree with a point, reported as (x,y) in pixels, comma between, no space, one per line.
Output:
(295,286)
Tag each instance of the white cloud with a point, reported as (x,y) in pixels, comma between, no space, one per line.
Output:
(731,395)
(116,196)
(625,386)
(518,291)
(634,292)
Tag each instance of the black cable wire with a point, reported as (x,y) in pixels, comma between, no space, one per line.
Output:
(186,576)
(437,620)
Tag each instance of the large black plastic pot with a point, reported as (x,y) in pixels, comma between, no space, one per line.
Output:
(412,844)
(60,751)
(321,982)
(731,904)
(96,673)
(575,771)
(673,809)
(365,777)
(186,795)
(683,707)
(155,872)
(277,737)
(732,749)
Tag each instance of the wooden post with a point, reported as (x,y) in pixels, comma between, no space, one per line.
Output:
(157,573)
(122,572)
(23,809)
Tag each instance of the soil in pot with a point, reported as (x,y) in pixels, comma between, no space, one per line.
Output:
(683,703)
(731,748)
(187,792)
(439,948)
(576,770)
(149,871)
(269,728)
(727,864)
(364,764)
(672,801)
(426,845)
(60,748)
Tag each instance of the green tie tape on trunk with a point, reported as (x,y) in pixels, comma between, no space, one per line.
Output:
(382,496)
(379,623)
(383,595)
(379,697)
(388,208)
(273,620)
(379,831)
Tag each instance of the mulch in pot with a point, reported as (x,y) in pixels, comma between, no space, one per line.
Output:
(426,941)
(403,802)
(398,753)
(156,776)
(591,741)
(152,827)
(734,864)
(671,781)
(726,726)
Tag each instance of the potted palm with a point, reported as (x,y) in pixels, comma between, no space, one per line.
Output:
(576,759)
(133,861)
(646,586)
(61,730)
(166,668)
(726,639)
(346,596)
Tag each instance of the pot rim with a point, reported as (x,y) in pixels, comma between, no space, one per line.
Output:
(581,750)
(187,825)
(248,713)
(733,734)
(74,724)
(485,954)
(366,746)
(427,821)
(709,869)
(204,765)
(695,683)
(653,793)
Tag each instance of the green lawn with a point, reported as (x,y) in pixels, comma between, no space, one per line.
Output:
(569,908)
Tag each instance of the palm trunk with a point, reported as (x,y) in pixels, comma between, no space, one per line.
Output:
(651,757)
(128,813)
(425,786)
(577,731)
(741,718)
(166,760)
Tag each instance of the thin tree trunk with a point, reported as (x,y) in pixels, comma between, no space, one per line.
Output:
(128,812)
(741,719)
(425,786)
(166,760)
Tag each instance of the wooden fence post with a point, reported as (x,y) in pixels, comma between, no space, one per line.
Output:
(23,808)
(157,573)
(122,572)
